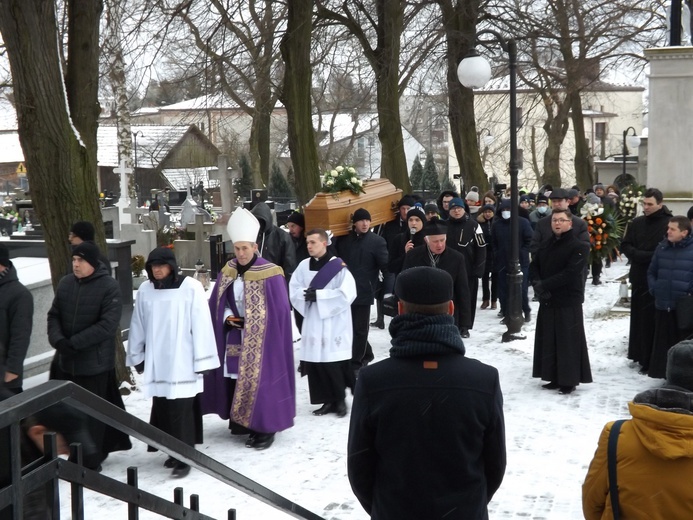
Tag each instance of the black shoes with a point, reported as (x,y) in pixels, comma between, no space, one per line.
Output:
(528,317)
(379,324)
(596,281)
(464,333)
(170,463)
(263,441)
(565,390)
(259,441)
(180,470)
(324,409)
(550,386)
(338,408)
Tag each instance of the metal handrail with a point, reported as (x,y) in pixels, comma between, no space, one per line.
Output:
(33,400)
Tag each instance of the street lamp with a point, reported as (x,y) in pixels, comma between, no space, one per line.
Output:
(474,71)
(134,171)
(632,141)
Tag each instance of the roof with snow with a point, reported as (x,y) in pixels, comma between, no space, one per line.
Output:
(342,126)
(181,178)
(154,142)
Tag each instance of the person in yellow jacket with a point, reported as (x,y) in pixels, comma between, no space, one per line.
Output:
(654,458)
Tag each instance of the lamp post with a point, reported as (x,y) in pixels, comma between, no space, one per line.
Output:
(633,141)
(474,72)
(134,171)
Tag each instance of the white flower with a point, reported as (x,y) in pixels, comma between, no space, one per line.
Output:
(329,183)
(334,173)
(339,169)
(354,180)
(351,170)
(359,182)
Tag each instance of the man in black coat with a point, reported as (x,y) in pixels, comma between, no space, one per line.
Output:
(82,325)
(543,231)
(274,244)
(365,254)
(436,254)
(639,244)
(16,319)
(466,236)
(560,347)
(427,434)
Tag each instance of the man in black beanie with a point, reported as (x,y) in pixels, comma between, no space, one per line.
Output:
(296,224)
(82,325)
(430,396)
(365,254)
(83,231)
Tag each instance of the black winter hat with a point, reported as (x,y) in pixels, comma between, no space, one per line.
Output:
(89,252)
(84,230)
(407,200)
(559,193)
(424,286)
(416,211)
(297,218)
(435,227)
(680,365)
(4,256)
(361,214)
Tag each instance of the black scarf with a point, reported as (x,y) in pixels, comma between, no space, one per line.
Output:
(421,334)
(241,269)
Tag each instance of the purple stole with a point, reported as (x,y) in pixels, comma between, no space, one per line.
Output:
(326,273)
(233,337)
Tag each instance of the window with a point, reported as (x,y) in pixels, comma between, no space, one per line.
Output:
(361,148)
(599,131)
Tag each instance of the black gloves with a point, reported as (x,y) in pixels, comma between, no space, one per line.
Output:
(140,367)
(539,290)
(309,294)
(65,347)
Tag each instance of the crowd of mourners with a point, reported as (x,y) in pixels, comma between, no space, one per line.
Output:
(232,353)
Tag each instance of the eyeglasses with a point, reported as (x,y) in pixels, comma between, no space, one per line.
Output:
(560,220)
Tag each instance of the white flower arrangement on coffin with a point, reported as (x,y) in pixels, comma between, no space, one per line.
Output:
(342,178)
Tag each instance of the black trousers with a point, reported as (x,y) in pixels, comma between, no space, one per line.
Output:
(361,351)
(327,382)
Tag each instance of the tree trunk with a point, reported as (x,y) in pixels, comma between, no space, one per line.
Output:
(584,174)
(393,163)
(459,22)
(556,128)
(59,142)
(295,48)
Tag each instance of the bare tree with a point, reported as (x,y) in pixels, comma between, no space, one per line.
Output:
(572,44)
(240,41)
(296,97)
(57,114)
(382,22)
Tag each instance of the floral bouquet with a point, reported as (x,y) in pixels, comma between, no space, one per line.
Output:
(631,196)
(342,178)
(604,229)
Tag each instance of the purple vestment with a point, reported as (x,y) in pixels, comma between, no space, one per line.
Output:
(265,395)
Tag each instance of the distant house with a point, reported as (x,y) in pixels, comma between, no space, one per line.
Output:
(165,156)
(352,139)
(608,110)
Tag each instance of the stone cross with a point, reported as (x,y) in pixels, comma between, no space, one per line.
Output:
(124,200)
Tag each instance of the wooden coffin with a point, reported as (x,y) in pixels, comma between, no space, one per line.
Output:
(333,211)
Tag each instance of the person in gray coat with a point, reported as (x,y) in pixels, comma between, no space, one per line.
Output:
(82,325)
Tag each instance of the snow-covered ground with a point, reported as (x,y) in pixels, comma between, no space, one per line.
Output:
(550,437)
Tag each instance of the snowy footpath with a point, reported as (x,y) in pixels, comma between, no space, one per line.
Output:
(550,437)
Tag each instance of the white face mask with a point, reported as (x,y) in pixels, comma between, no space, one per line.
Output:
(505,214)
(542,209)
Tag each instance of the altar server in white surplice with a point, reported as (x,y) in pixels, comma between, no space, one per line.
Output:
(321,290)
(171,341)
